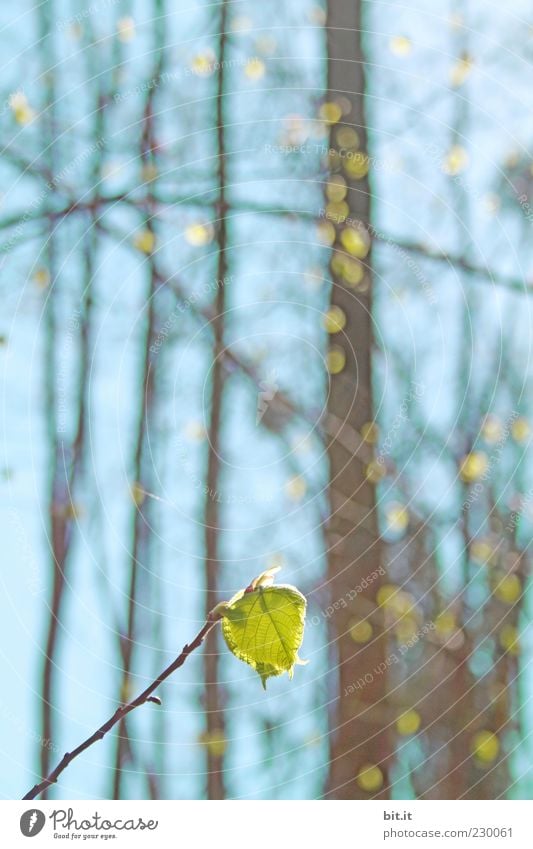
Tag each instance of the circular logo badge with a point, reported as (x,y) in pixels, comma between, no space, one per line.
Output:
(32,822)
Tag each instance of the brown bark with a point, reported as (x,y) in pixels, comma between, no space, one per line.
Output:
(213,702)
(358,733)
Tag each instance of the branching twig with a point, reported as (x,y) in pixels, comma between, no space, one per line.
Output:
(123,710)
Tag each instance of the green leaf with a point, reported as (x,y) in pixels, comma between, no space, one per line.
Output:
(264,626)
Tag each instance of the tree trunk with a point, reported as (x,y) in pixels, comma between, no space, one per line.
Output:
(358,736)
(213,697)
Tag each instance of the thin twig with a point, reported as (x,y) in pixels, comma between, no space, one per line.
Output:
(123,710)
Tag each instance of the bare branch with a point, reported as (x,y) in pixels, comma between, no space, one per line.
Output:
(514,284)
(123,710)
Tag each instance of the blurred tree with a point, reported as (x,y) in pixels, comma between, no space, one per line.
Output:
(360,746)
(142,465)
(182,418)
(215,731)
